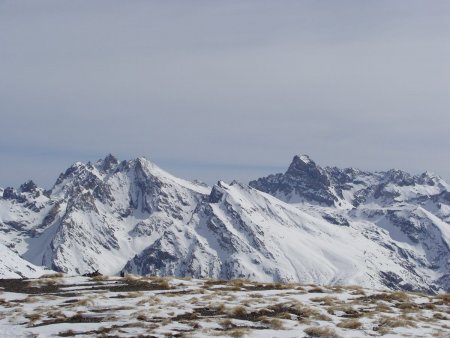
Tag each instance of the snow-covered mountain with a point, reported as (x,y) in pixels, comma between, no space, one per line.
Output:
(406,214)
(96,216)
(13,266)
(309,224)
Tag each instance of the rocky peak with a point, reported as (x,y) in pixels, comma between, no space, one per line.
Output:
(399,177)
(218,191)
(305,168)
(304,180)
(9,193)
(28,186)
(73,171)
(300,163)
(216,194)
(108,163)
(428,178)
(141,168)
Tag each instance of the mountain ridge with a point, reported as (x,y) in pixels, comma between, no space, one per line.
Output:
(383,229)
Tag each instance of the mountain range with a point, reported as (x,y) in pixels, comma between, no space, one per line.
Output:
(310,224)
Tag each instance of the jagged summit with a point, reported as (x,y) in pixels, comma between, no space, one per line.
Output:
(28,186)
(108,163)
(302,157)
(302,163)
(303,180)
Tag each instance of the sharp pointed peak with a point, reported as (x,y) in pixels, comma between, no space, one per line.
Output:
(144,162)
(111,158)
(108,162)
(303,157)
(217,192)
(301,163)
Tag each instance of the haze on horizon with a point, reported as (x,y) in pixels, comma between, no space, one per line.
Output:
(223,90)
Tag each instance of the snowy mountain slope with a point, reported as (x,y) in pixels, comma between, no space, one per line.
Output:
(412,210)
(12,266)
(241,232)
(310,224)
(98,216)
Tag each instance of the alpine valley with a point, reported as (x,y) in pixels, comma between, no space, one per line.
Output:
(310,225)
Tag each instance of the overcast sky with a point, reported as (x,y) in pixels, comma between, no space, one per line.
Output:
(223,89)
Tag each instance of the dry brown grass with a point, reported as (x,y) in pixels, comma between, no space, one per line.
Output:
(142,317)
(129,278)
(440,316)
(227,324)
(443,299)
(284,315)
(100,278)
(347,309)
(33,317)
(323,317)
(316,289)
(276,286)
(304,311)
(391,322)
(382,307)
(55,314)
(31,299)
(238,332)
(209,296)
(429,306)
(273,323)
(237,283)
(398,296)
(337,288)
(408,307)
(276,324)
(440,333)
(153,300)
(352,288)
(230,298)
(353,324)
(84,302)
(327,300)
(163,283)
(220,308)
(323,332)
(239,311)
(52,275)
(133,294)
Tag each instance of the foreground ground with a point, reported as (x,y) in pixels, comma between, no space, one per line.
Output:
(158,307)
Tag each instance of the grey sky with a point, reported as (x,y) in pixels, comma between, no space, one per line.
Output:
(223,89)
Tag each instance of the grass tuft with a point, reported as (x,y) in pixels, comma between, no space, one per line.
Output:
(52,275)
(353,324)
(322,332)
